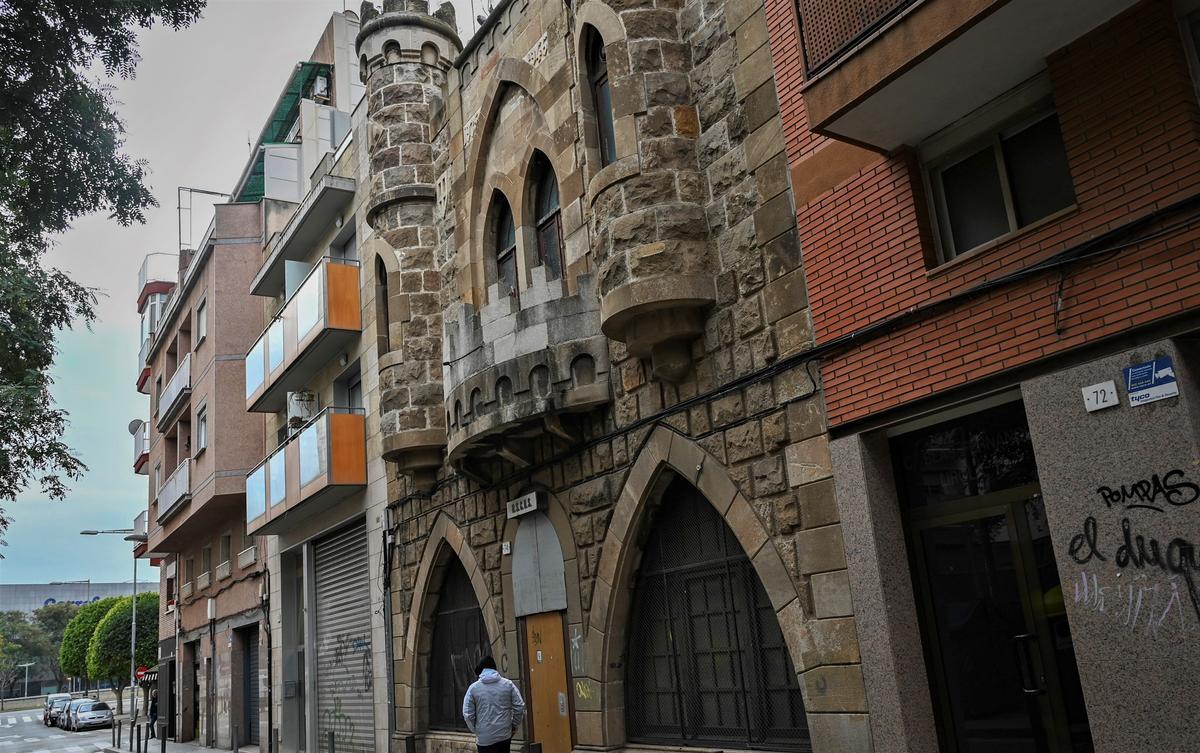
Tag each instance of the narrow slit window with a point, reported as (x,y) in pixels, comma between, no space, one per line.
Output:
(597,69)
(549,218)
(506,248)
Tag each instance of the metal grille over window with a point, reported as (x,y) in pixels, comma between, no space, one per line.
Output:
(459,642)
(707,663)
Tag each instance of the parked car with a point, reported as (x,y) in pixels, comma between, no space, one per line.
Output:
(53,709)
(49,704)
(64,716)
(90,714)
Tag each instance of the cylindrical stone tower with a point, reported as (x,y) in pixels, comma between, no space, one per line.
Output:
(404,54)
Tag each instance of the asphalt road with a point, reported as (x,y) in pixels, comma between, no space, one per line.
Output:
(23,732)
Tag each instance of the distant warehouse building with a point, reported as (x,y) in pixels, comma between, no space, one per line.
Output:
(26,597)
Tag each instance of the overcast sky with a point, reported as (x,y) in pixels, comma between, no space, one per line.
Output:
(199,95)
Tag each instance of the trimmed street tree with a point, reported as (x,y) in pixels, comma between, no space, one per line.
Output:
(61,156)
(25,641)
(72,654)
(108,650)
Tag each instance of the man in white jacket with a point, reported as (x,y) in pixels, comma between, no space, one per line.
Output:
(493,708)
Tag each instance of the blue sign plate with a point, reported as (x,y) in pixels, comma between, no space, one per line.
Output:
(1150,381)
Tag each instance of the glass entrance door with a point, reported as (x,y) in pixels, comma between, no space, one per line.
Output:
(997,639)
(997,644)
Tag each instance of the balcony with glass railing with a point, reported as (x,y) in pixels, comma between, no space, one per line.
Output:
(158,274)
(323,462)
(141,449)
(175,491)
(143,380)
(174,394)
(320,319)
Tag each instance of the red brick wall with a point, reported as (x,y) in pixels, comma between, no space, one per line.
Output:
(1131,125)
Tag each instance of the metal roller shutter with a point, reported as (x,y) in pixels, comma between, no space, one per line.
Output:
(343,618)
(252,689)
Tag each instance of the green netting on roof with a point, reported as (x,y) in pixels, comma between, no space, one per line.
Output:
(283,117)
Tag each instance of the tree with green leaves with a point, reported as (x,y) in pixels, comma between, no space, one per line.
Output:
(108,651)
(72,653)
(61,156)
(25,641)
(53,620)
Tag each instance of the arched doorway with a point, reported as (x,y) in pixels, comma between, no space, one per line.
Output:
(459,641)
(706,661)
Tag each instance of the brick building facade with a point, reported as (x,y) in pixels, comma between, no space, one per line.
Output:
(975,370)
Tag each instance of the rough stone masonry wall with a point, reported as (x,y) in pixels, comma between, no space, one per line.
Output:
(403,93)
(767,437)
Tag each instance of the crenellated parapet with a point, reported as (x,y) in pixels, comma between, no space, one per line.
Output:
(517,367)
(405,54)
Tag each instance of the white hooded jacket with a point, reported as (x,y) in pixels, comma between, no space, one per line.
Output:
(493,707)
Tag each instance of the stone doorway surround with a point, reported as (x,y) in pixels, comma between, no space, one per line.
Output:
(827,686)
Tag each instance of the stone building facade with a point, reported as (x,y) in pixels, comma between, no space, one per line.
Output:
(598,321)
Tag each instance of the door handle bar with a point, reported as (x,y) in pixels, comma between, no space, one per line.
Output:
(1029,678)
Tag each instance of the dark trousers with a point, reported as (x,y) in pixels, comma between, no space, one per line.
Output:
(153,724)
(500,747)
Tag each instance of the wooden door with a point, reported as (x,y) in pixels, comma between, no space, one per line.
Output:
(548,702)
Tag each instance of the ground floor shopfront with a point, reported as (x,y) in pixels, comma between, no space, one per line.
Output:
(1023,568)
(212,683)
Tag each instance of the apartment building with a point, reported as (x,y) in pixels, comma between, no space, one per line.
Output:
(996,205)
(200,320)
(317,494)
(198,449)
(610,464)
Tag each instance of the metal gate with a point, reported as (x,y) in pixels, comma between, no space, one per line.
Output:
(252,687)
(707,663)
(343,620)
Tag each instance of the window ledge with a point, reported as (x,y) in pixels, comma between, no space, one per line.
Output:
(983,248)
(199,452)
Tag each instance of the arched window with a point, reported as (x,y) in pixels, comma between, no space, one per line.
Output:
(506,246)
(597,73)
(707,663)
(382,320)
(459,642)
(547,217)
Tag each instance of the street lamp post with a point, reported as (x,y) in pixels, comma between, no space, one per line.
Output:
(27,665)
(130,535)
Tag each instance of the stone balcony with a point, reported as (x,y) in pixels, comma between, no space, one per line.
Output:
(517,365)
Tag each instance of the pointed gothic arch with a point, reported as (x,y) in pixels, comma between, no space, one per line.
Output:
(665,458)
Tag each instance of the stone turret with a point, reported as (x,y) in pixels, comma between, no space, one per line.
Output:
(404,55)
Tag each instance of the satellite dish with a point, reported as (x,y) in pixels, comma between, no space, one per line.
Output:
(135,425)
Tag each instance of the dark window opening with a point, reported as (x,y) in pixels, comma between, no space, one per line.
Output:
(597,70)
(548,217)
(1012,179)
(382,319)
(459,642)
(506,247)
(707,661)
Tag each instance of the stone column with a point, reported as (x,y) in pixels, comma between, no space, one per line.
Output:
(404,55)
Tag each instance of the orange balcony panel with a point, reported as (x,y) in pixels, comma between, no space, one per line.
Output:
(323,462)
(320,319)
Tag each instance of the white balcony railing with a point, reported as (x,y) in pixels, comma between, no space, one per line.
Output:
(185,591)
(144,352)
(180,383)
(203,581)
(174,490)
(158,267)
(247,557)
(141,445)
(139,523)
(224,570)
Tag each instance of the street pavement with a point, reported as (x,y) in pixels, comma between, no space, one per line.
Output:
(23,732)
